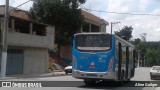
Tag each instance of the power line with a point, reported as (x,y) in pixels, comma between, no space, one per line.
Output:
(22,4)
(16,3)
(136,14)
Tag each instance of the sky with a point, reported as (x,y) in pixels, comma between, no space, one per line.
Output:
(148,24)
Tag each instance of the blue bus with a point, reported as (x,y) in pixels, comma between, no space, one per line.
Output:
(102,56)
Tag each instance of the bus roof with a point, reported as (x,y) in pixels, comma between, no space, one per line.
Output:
(124,41)
(85,33)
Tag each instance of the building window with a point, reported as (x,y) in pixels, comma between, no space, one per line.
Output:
(23,26)
(95,28)
(39,29)
(85,27)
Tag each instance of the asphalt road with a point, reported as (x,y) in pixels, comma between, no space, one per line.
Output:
(141,74)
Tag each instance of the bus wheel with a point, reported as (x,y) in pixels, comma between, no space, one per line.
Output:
(89,82)
(122,78)
(66,72)
(128,80)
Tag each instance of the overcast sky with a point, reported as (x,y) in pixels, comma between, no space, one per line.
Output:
(148,24)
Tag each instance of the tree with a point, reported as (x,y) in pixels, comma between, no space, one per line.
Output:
(150,51)
(63,14)
(143,37)
(136,43)
(125,33)
(153,57)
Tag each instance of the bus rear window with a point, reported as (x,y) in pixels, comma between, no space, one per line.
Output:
(93,42)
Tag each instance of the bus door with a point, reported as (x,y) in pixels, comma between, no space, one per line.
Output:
(127,62)
(134,60)
(119,60)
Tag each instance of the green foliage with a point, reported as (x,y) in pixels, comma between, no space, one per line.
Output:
(61,40)
(51,67)
(150,51)
(125,33)
(153,57)
(143,37)
(63,14)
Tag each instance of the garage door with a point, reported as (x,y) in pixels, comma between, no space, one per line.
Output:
(14,62)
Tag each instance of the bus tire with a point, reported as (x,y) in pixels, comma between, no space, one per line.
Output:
(128,80)
(122,78)
(89,82)
(66,72)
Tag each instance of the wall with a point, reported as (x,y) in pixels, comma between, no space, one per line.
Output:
(29,40)
(103,28)
(2,9)
(35,48)
(0,57)
(35,60)
(22,39)
(1,27)
(50,33)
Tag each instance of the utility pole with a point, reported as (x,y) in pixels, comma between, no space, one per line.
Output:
(4,41)
(111,27)
(138,57)
(113,23)
(144,61)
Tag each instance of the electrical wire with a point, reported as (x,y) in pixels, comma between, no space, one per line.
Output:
(137,14)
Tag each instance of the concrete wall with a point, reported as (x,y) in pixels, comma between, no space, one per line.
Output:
(35,48)
(50,36)
(1,27)
(22,39)
(35,59)
(0,56)
(103,28)
(2,9)
(29,40)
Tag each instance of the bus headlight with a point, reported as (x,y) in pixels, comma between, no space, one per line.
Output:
(75,62)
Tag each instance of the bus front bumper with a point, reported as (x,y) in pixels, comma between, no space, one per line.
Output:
(94,75)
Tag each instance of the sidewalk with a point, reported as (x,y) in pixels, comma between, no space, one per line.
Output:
(37,75)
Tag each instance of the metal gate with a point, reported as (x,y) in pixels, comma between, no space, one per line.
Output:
(14,62)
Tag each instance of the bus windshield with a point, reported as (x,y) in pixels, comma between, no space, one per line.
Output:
(93,42)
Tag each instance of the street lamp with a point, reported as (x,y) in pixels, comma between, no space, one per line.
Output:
(113,23)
